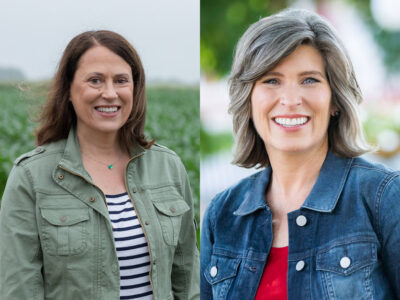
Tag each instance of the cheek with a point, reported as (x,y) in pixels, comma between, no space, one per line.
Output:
(90,94)
(126,94)
(83,94)
(324,115)
(260,108)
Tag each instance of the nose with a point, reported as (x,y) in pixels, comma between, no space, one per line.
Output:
(290,96)
(109,91)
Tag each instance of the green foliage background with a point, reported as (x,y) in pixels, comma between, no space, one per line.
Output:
(172,119)
(212,143)
(224,21)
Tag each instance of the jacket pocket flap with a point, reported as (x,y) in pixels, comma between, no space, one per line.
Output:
(172,208)
(347,258)
(65,217)
(221,268)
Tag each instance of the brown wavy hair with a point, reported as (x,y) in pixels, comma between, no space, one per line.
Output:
(58,115)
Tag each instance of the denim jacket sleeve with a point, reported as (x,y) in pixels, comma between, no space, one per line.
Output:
(20,252)
(185,268)
(387,218)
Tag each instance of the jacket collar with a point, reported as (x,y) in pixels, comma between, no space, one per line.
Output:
(254,198)
(323,196)
(330,183)
(72,159)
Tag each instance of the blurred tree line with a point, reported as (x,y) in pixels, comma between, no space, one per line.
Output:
(224,21)
(10,74)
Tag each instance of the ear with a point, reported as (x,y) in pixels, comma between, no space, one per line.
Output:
(333,110)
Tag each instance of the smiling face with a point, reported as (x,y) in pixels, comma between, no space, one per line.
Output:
(291,104)
(101,92)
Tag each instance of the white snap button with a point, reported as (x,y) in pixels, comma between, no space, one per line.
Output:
(213,271)
(301,220)
(300,265)
(345,262)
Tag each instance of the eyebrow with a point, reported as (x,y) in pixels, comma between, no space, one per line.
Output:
(101,74)
(311,72)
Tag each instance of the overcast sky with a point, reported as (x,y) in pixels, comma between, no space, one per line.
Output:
(166,33)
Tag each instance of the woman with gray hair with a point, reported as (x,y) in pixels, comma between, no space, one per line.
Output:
(318,222)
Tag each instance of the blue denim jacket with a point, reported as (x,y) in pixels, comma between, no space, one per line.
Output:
(344,242)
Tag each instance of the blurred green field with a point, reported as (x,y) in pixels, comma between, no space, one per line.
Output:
(172,119)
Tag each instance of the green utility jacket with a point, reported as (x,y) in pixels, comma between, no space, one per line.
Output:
(56,238)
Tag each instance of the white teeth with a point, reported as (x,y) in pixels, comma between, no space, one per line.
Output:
(291,122)
(107,109)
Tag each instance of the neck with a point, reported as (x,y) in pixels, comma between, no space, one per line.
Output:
(294,175)
(101,145)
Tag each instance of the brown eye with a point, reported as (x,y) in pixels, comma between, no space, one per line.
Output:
(122,80)
(95,80)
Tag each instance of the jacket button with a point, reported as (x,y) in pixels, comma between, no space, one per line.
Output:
(134,191)
(345,262)
(172,209)
(63,218)
(91,199)
(38,149)
(146,222)
(213,271)
(60,176)
(301,220)
(300,265)
(154,262)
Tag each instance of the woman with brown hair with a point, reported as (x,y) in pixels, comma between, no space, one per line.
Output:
(96,211)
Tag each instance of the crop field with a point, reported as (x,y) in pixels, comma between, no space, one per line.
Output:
(172,119)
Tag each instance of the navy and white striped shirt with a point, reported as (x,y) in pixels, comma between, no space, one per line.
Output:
(132,249)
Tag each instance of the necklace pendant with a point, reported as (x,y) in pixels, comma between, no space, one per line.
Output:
(110,167)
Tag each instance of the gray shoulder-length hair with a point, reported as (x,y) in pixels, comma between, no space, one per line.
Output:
(260,49)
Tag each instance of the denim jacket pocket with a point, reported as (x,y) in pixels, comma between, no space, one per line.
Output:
(64,230)
(346,269)
(220,274)
(169,214)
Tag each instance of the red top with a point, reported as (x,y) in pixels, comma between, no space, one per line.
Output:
(273,284)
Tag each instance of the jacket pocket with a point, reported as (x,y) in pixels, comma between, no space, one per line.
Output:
(346,270)
(169,213)
(64,230)
(220,273)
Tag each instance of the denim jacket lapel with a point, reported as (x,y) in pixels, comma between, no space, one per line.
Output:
(332,177)
(254,198)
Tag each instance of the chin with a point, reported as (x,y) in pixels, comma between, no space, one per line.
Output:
(292,148)
(108,129)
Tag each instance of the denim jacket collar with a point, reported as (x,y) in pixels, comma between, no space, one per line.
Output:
(330,183)
(254,197)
